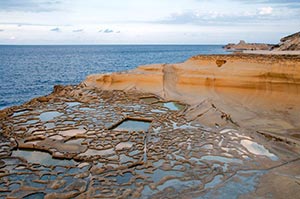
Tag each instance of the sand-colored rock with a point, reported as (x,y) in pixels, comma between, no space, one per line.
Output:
(289,43)
(219,126)
(242,45)
(260,92)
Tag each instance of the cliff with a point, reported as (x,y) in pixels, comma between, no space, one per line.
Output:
(247,87)
(289,43)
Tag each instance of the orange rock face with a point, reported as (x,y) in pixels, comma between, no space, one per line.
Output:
(258,91)
(217,126)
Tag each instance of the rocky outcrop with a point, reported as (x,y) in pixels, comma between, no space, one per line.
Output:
(249,87)
(164,130)
(289,43)
(261,72)
(242,45)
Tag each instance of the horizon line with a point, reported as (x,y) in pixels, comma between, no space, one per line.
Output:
(114,44)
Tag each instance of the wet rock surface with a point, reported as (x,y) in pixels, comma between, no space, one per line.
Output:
(91,143)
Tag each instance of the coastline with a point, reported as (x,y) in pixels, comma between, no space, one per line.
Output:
(240,83)
(268,52)
(213,115)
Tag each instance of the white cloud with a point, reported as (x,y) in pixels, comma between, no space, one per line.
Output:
(265,11)
(147,21)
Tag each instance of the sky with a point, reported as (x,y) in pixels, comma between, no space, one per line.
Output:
(147,21)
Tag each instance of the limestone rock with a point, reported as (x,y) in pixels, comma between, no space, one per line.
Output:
(242,45)
(289,43)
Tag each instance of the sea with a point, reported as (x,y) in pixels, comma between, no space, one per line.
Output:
(31,71)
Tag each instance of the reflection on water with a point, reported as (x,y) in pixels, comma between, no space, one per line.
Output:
(173,106)
(125,178)
(46,116)
(38,195)
(217,179)
(133,125)
(40,157)
(20,113)
(150,100)
(258,149)
(71,104)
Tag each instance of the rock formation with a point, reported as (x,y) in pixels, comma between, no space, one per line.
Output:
(215,126)
(242,45)
(288,43)
(256,82)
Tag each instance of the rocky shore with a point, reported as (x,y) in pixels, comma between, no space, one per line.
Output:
(288,45)
(242,45)
(215,126)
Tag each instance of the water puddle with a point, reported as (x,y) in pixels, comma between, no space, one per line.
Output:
(184,126)
(133,125)
(72,104)
(135,152)
(46,116)
(207,146)
(221,159)
(125,159)
(42,158)
(159,174)
(124,145)
(38,195)
(75,141)
(29,122)
(241,183)
(49,125)
(93,152)
(125,178)
(217,180)
(87,109)
(150,100)
(157,111)
(20,113)
(173,106)
(178,184)
(258,149)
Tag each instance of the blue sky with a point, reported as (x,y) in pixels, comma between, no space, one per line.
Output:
(146,21)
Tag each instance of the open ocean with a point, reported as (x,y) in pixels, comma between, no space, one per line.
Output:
(30,71)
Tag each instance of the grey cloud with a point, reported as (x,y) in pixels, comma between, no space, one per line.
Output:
(31,24)
(108,31)
(208,19)
(29,5)
(287,3)
(55,30)
(1,30)
(271,1)
(78,30)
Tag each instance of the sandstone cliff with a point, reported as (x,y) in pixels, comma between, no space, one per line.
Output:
(260,92)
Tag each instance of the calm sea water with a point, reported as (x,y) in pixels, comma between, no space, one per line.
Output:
(31,71)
